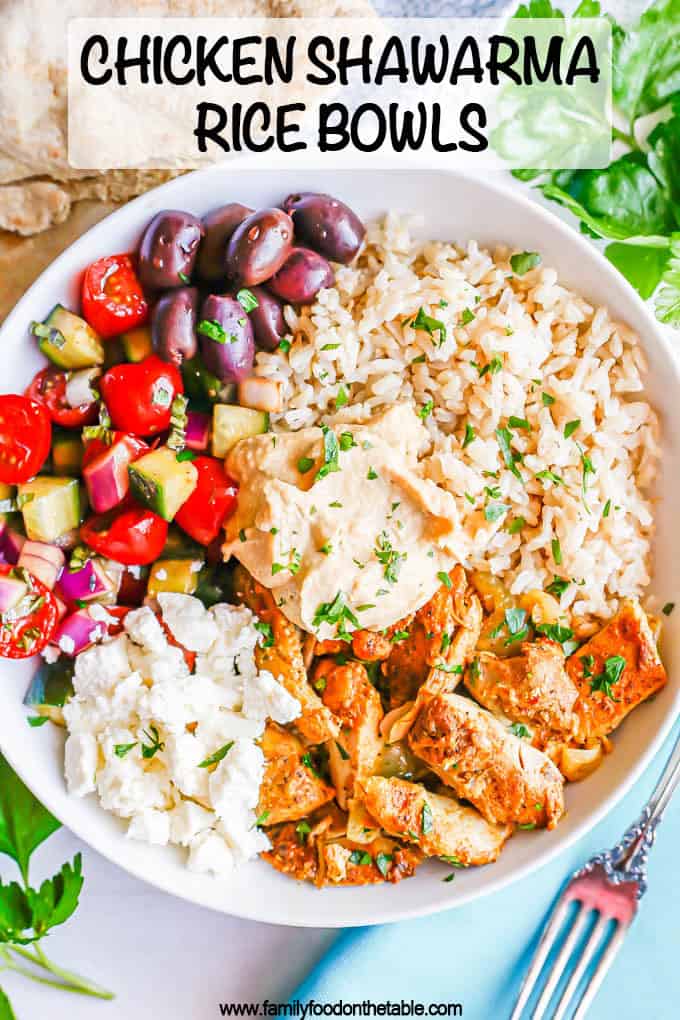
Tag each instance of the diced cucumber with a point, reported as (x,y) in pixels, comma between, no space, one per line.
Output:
(50,507)
(7,500)
(232,423)
(52,684)
(174,575)
(137,343)
(162,482)
(178,546)
(202,387)
(67,453)
(67,340)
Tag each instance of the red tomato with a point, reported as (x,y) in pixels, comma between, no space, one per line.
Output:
(211,502)
(112,297)
(139,397)
(25,437)
(132,536)
(33,629)
(49,388)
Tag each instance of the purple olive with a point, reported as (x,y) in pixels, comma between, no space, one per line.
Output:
(219,225)
(168,250)
(226,336)
(327,224)
(173,325)
(301,276)
(267,320)
(258,247)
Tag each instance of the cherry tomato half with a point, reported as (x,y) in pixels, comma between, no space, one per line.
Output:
(211,502)
(133,536)
(112,296)
(49,388)
(36,620)
(139,397)
(25,437)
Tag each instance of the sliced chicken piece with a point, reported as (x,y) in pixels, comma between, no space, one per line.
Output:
(372,647)
(440,826)
(355,703)
(617,669)
(532,688)
(290,790)
(284,659)
(503,776)
(444,631)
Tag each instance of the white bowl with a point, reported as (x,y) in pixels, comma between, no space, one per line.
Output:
(453,207)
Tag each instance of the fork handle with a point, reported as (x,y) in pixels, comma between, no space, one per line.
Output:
(628,860)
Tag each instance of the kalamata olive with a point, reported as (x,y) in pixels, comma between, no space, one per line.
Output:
(219,225)
(327,224)
(226,337)
(267,320)
(173,325)
(258,247)
(168,249)
(301,276)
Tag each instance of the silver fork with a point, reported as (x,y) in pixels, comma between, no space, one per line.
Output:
(608,889)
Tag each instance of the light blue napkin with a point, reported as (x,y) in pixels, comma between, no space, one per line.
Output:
(477,954)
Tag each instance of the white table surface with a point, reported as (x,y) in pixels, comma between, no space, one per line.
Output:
(164,958)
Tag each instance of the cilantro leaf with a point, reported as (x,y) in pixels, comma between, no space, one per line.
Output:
(522,262)
(646,71)
(430,325)
(15,915)
(24,822)
(668,298)
(6,1011)
(57,898)
(642,266)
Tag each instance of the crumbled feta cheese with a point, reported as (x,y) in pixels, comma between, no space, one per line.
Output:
(265,698)
(80,763)
(208,853)
(50,654)
(67,644)
(100,614)
(136,692)
(150,827)
(189,621)
(143,628)
(162,574)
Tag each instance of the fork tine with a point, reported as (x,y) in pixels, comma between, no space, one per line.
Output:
(589,950)
(560,963)
(543,948)
(598,976)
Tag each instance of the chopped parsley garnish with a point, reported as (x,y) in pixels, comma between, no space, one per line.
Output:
(242,536)
(510,458)
(516,525)
(341,398)
(335,613)
(522,262)
(571,427)
(474,670)
(550,476)
(346,441)
(326,548)
(446,667)
(303,829)
(266,632)
(559,633)
(185,455)
(365,606)
(494,511)
(304,465)
(518,729)
(284,345)
(383,862)
(419,360)
(372,474)
(426,820)
(218,755)
(668,608)
(247,300)
(519,423)
(120,750)
(399,635)
(308,763)
(444,578)
(214,331)
(469,436)
(360,857)
(446,641)
(558,586)
(587,470)
(492,367)
(515,620)
(38,720)
(607,508)
(467,317)
(155,743)
(547,399)
(391,560)
(426,410)
(610,675)
(430,325)
(293,564)
(556,551)
(330,453)
(336,504)
(259,822)
(527,825)
(587,661)
(330,347)
(341,751)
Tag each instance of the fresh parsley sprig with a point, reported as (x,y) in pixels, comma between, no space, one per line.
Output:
(27,914)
